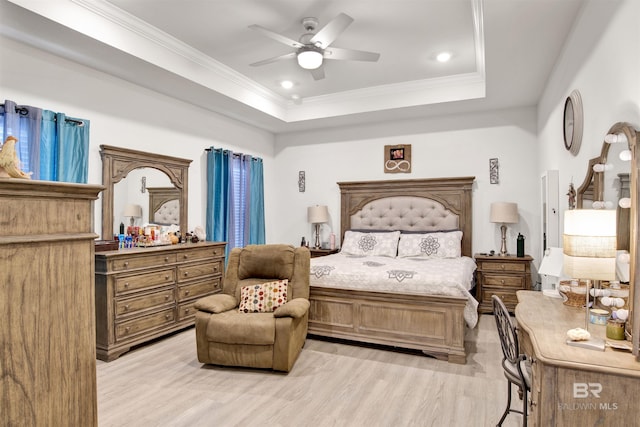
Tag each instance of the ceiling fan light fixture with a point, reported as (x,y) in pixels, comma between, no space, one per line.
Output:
(309,58)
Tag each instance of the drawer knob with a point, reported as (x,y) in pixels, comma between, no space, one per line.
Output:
(126,307)
(186,273)
(166,277)
(167,316)
(215,268)
(502,266)
(185,256)
(166,259)
(502,281)
(186,292)
(187,311)
(126,285)
(126,264)
(166,297)
(126,330)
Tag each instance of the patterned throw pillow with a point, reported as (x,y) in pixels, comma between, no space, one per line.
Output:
(370,244)
(431,245)
(263,298)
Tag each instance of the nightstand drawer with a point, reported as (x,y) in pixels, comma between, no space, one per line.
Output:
(515,267)
(516,282)
(508,298)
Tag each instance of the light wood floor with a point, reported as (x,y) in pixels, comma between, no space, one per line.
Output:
(331,384)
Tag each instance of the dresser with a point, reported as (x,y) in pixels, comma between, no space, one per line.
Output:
(502,276)
(47,332)
(145,293)
(573,385)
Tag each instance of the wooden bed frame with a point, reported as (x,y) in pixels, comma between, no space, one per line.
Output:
(433,324)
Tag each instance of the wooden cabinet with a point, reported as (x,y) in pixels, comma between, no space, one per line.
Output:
(573,385)
(47,332)
(502,276)
(144,293)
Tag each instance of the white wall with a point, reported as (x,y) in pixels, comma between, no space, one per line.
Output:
(605,71)
(126,115)
(441,147)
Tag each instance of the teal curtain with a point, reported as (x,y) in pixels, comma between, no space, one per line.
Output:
(73,149)
(52,146)
(235,198)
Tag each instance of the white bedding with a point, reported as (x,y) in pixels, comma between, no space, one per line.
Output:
(425,276)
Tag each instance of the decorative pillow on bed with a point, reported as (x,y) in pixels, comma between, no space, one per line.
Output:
(371,244)
(431,245)
(263,298)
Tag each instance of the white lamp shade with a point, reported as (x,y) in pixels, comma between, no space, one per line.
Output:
(589,244)
(504,212)
(317,214)
(133,211)
(310,59)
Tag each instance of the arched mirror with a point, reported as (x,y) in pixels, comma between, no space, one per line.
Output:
(126,174)
(611,182)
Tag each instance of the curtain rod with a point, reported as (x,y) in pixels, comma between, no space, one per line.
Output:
(23,112)
(255,159)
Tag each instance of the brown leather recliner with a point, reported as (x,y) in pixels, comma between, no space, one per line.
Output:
(272,340)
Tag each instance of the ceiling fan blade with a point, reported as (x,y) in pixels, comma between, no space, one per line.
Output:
(274,59)
(318,73)
(278,37)
(327,34)
(350,54)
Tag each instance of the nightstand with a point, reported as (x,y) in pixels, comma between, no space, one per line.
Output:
(315,253)
(502,276)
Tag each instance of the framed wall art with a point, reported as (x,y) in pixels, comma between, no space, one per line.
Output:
(397,158)
(494,171)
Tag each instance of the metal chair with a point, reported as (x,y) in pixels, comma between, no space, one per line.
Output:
(516,366)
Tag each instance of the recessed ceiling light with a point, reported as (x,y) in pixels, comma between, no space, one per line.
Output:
(443,56)
(287,84)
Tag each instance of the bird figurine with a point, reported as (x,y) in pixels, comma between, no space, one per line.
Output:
(9,162)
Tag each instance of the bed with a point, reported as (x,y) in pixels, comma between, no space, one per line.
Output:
(405,315)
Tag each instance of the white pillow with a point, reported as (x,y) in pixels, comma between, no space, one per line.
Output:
(370,244)
(431,245)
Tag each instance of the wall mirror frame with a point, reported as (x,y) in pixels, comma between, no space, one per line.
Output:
(594,188)
(117,162)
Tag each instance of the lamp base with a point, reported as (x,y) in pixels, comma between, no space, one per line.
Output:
(503,248)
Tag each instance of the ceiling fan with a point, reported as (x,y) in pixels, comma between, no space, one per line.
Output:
(313,47)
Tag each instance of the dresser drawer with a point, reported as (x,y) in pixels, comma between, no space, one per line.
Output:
(193,271)
(187,311)
(131,328)
(516,267)
(194,290)
(149,279)
(201,253)
(130,306)
(516,282)
(134,262)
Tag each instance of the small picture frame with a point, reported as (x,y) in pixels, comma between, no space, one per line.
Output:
(301,181)
(494,171)
(397,158)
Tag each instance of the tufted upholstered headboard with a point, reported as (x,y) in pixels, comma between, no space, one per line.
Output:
(164,205)
(409,205)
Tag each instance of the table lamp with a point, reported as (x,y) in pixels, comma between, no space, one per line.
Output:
(504,213)
(133,211)
(317,215)
(589,247)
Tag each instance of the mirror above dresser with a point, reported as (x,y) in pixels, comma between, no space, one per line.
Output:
(118,163)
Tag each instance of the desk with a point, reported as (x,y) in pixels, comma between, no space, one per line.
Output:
(573,385)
